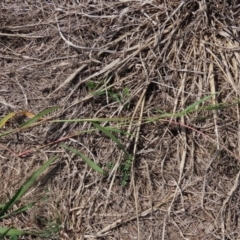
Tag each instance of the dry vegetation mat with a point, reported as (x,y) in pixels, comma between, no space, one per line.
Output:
(120,119)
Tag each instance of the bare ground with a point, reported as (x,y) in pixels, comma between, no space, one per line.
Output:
(149,57)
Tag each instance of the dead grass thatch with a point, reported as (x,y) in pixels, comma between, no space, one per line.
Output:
(154,56)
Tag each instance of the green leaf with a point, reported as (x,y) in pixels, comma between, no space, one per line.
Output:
(126,92)
(38,116)
(192,106)
(91,85)
(116,97)
(90,163)
(19,210)
(99,93)
(110,135)
(13,232)
(14,237)
(24,188)
(4,233)
(118,131)
(6,118)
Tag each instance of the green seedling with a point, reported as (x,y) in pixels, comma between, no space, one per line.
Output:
(91,85)
(38,117)
(99,90)
(6,207)
(125,170)
(89,162)
(110,165)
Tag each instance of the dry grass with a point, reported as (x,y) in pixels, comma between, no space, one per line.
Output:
(166,55)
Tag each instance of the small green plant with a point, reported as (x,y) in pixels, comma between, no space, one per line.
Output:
(110,165)
(125,170)
(113,95)
(90,163)
(52,228)
(5,208)
(108,132)
(99,90)
(91,85)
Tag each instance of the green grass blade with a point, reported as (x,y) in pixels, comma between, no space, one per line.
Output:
(126,119)
(14,237)
(110,135)
(90,163)
(6,118)
(192,107)
(4,233)
(99,93)
(2,206)
(19,210)
(52,230)
(13,232)
(118,131)
(24,188)
(6,133)
(38,116)
(116,97)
